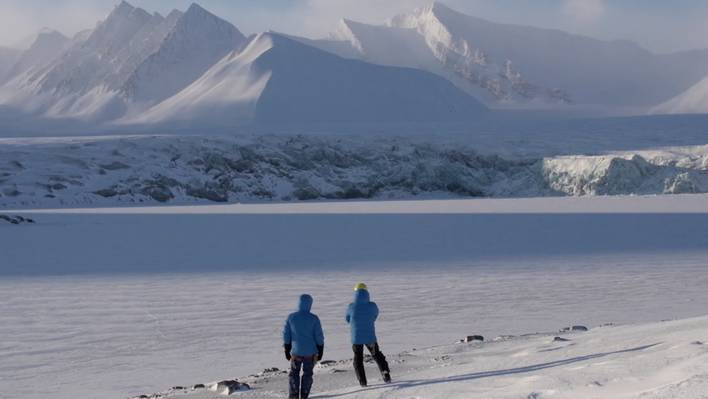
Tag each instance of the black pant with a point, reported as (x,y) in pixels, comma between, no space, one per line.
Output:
(379,358)
(300,387)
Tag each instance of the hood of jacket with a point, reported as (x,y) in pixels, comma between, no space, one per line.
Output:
(305,304)
(361,296)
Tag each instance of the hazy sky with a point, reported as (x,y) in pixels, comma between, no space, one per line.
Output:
(661,25)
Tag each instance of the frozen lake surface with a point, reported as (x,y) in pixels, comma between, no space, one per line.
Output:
(74,319)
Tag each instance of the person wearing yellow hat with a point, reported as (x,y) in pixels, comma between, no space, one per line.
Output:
(361,316)
(360,286)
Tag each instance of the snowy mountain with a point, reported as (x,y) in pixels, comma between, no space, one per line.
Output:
(100,78)
(195,43)
(531,61)
(692,101)
(470,70)
(279,80)
(8,57)
(192,68)
(48,46)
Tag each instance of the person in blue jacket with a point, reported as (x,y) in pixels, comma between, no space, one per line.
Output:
(361,316)
(303,341)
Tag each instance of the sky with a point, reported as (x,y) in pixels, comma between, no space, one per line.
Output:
(659,25)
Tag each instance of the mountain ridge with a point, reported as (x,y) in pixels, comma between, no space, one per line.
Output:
(134,66)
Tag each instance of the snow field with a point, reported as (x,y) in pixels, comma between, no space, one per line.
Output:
(136,301)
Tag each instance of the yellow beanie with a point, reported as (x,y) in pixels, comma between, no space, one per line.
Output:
(360,286)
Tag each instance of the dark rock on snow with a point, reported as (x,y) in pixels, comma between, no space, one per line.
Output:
(575,329)
(473,338)
(227,387)
(16,219)
(327,363)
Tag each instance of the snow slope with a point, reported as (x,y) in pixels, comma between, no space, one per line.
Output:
(661,360)
(226,94)
(692,101)
(277,80)
(589,71)
(8,57)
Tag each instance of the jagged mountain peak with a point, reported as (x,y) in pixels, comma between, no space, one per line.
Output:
(123,8)
(198,18)
(46,30)
(195,42)
(197,11)
(196,8)
(438,6)
(174,14)
(49,36)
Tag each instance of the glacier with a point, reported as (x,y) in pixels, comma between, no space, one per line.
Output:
(114,170)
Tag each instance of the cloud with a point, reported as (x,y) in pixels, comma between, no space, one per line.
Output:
(20,20)
(585,11)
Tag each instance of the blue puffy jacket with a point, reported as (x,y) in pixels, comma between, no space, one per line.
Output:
(361,316)
(303,329)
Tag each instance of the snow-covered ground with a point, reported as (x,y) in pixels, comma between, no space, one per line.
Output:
(661,360)
(125,170)
(133,301)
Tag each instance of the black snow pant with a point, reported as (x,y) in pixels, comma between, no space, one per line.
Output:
(300,387)
(379,358)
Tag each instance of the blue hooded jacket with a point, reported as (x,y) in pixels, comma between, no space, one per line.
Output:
(361,316)
(303,329)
